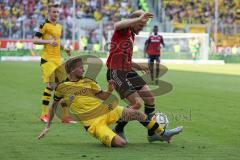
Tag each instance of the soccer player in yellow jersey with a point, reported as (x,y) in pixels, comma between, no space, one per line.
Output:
(49,35)
(90,104)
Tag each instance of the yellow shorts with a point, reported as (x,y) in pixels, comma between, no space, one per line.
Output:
(53,71)
(99,126)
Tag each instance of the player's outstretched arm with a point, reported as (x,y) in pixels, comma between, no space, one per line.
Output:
(163,44)
(51,115)
(103,95)
(146,46)
(142,18)
(125,23)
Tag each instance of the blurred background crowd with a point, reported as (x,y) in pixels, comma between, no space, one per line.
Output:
(90,20)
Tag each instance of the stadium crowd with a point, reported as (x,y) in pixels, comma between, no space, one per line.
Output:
(19,19)
(24,16)
(202,11)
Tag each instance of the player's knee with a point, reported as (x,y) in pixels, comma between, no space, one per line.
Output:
(51,85)
(136,105)
(149,99)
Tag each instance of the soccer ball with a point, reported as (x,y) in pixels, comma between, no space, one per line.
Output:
(161,119)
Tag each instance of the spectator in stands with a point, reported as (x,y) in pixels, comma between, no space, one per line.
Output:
(24,11)
(200,12)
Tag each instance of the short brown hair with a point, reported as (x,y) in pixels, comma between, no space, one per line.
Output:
(72,64)
(52,5)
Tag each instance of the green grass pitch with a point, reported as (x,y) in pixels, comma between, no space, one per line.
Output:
(205,100)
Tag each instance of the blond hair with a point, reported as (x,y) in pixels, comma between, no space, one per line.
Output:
(52,5)
(136,14)
(72,63)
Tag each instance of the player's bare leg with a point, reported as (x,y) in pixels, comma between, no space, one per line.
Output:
(157,72)
(151,68)
(149,101)
(135,103)
(45,101)
(135,100)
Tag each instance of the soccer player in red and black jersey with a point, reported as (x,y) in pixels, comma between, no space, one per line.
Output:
(153,49)
(128,83)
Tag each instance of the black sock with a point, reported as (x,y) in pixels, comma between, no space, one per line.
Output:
(151,65)
(149,109)
(120,126)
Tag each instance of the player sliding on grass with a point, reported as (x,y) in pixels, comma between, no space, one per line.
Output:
(49,35)
(90,104)
(129,84)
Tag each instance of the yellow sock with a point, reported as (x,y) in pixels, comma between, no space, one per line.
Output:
(159,130)
(150,124)
(45,100)
(64,111)
(44,110)
(154,127)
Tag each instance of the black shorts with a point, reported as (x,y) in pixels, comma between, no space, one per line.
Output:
(127,82)
(151,58)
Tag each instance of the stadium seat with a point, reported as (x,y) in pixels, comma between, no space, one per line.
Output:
(197,29)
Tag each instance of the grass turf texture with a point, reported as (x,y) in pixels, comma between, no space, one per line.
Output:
(205,100)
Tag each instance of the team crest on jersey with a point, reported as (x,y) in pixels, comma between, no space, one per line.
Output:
(84,90)
(71,97)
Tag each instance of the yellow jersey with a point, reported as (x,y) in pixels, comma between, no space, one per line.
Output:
(48,31)
(80,97)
